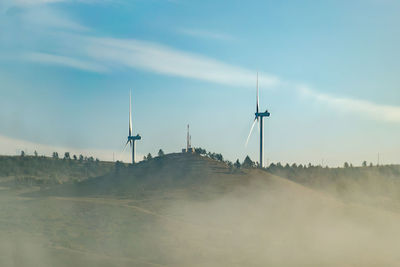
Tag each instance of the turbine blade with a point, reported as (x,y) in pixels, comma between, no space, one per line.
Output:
(130,113)
(257,101)
(123,150)
(251,130)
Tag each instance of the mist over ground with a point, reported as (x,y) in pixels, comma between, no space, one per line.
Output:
(194,211)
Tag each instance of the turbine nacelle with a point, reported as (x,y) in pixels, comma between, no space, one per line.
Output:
(135,137)
(262,114)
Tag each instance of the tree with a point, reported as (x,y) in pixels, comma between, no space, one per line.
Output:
(346,165)
(75,157)
(237,164)
(55,155)
(272,166)
(161,153)
(248,163)
(80,157)
(67,156)
(200,151)
(22,153)
(35,153)
(149,156)
(118,166)
(219,157)
(229,164)
(364,164)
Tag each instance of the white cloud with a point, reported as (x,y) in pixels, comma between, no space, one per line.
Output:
(46,17)
(34,2)
(30,3)
(169,61)
(64,61)
(362,107)
(205,34)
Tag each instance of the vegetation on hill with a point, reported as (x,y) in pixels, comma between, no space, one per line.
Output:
(39,170)
(174,169)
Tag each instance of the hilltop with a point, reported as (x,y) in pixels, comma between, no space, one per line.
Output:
(177,173)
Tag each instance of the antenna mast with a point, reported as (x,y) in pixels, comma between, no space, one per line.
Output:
(188,139)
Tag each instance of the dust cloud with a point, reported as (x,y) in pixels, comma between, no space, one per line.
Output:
(282,224)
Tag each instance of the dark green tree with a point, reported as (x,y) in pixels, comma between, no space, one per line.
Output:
(346,165)
(22,153)
(149,156)
(200,151)
(161,153)
(75,157)
(67,155)
(248,163)
(237,164)
(35,153)
(55,155)
(364,164)
(229,164)
(219,157)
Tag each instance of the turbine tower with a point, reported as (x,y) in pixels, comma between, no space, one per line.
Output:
(131,138)
(259,116)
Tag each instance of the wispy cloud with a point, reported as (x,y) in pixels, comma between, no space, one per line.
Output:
(52,59)
(365,108)
(50,18)
(198,33)
(30,3)
(169,61)
(34,2)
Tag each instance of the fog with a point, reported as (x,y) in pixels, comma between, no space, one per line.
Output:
(283,225)
(266,221)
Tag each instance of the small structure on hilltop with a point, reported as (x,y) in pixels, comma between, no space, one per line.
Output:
(188,148)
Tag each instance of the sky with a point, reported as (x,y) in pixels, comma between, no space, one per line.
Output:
(328,74)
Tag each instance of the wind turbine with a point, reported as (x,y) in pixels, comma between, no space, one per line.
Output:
(131,138)
(259,116)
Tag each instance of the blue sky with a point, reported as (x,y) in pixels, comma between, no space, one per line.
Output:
(328,74)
